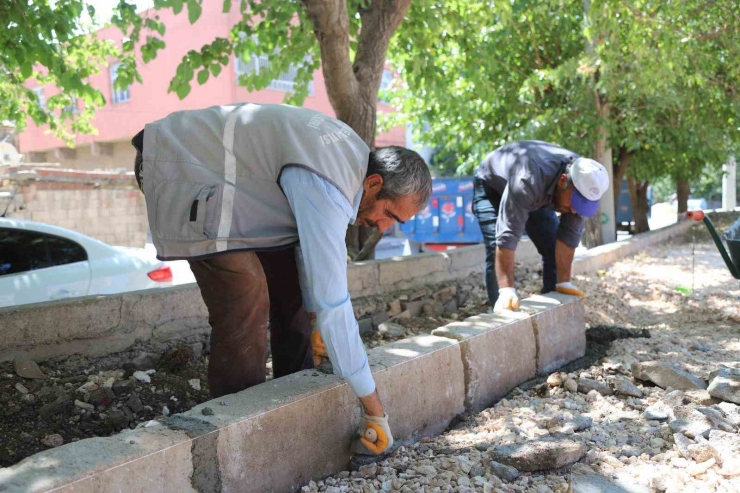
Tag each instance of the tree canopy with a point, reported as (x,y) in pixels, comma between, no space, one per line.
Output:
(531,69)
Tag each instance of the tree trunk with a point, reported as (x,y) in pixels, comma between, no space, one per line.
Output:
(682,195)
(620,168)
(592,236)
(353,87)
(639,201)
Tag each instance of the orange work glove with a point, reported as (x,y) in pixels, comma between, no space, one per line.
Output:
(569,288)
(375,434)
(317,344)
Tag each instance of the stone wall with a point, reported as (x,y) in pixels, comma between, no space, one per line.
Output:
(104,205)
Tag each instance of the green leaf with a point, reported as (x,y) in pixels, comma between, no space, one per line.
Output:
(177,6)
(26,69)
(203,76)
(215,69)
(182,90)
(227,6)
(194,11)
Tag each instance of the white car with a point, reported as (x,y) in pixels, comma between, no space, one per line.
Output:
(40,262)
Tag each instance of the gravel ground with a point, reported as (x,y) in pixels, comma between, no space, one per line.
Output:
(602,428)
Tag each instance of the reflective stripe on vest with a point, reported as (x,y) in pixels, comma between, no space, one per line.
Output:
(227,205)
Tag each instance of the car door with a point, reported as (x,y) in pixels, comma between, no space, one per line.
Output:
(36,267)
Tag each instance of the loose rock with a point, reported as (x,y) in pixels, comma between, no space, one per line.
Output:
(702,452)
(690,422)
(726,444)
(144,361)
(507,473)
(730,411)
(555,379)
(102,397)
(586,385)
(664,375)
(134,403)
(122,387)
(682,444)
(142,377)
(390,329)
(623,386)
(538,455)
(700,397)
(28,369)
(55,407)
(571,385)
(84,405)
(426,470)
(699,469)
(54,440)
(175,359)
(717,418)
(726,385)
(118,419)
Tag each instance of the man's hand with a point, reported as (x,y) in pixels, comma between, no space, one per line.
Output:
(375,435)
(569,288)
(507,300)
(320,355)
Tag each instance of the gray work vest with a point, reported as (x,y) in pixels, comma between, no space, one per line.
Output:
(211,176)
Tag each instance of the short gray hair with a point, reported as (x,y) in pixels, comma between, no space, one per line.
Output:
(404,173)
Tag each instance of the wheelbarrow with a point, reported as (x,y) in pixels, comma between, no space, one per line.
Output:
(732,237)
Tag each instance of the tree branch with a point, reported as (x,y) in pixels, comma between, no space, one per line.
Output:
(379,22)
(331,27)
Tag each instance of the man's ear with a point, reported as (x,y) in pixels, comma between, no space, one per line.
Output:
(563,181)
(372,184)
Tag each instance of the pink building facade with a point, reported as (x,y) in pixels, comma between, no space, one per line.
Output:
(126,112)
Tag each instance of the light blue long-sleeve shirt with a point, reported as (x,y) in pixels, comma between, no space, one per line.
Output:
(322,214)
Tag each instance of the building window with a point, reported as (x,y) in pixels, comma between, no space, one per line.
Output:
(118,95)
(40,94)
(284,82)
(72,108)
(385,84)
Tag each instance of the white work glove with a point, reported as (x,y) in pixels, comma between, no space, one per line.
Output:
(375,435)
(507,300)
(569,288)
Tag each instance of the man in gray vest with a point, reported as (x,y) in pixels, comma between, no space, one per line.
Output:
(234,190)
(518,188)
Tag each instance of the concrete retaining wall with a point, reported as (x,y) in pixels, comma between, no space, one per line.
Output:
(279,435)
(605,255)
(106,324)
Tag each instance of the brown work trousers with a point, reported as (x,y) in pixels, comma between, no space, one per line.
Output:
(244,291)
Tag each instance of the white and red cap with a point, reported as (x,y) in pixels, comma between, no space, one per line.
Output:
(591,181)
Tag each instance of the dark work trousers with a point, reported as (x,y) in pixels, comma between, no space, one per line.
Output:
(244,293)
(541,227)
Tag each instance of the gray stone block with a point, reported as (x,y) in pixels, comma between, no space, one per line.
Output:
(499,353)
(559,329)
